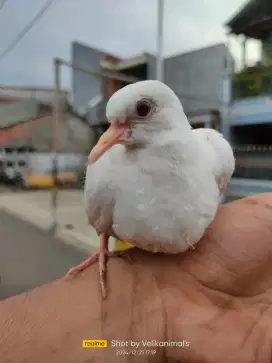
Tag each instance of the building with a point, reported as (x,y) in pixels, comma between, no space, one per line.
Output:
(251,111)
(30,124)
(199,77)
(41,94)
(27,127)
(195,76)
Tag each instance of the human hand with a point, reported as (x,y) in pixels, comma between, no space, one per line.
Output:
(218,297)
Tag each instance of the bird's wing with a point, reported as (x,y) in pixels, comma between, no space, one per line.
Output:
(221,155)
(100,191)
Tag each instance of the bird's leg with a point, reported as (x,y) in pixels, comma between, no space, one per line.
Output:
(104,239)
(101,256)
(222,186)
(192,247)
(104,252)
(88,262)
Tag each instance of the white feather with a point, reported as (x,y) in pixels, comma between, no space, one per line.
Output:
(162,195)
(219,150)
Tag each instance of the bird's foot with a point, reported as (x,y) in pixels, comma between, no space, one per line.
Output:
(191,246)
(81,267)
(101,256)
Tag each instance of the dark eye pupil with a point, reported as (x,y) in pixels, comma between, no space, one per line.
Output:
(143,108)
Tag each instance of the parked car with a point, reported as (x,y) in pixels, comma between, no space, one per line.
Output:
(12,176)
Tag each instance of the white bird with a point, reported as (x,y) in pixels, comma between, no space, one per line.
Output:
(224,163)
(152,180)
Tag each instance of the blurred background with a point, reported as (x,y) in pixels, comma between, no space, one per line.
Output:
(60,61)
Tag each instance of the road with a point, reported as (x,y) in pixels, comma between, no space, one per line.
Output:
(30,257)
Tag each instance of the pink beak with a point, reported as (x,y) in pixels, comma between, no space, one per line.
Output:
(115,134)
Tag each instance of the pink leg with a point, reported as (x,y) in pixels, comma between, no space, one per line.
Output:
(222,187)
(101,256)
(88,262)
(104,251)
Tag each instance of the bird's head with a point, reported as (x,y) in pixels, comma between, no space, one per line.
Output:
(138,113)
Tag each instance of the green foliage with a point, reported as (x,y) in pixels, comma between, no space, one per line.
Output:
(252,82)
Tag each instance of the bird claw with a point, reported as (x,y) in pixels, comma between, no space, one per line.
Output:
(192,247)
(79,268)
(102,257)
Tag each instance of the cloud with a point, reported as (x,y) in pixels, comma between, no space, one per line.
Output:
(121,27)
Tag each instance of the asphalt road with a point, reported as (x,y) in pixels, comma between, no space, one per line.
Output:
(30,257)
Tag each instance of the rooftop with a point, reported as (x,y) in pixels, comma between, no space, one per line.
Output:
(40,110)
(124,63)
(253,20)
(42,94)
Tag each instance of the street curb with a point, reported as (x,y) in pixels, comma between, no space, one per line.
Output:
(37,222)
(75,239)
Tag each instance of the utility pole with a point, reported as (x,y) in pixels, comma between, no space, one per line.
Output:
(226,98)
(56,141)
(160,21)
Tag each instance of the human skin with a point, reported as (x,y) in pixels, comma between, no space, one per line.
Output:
(218,298)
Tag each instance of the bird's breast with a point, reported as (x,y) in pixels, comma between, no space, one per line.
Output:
(156,213)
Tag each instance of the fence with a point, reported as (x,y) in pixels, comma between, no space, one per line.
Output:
(253,162)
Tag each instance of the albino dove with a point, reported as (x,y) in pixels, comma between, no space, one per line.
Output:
(152,180)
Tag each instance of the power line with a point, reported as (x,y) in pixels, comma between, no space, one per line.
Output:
(27,28)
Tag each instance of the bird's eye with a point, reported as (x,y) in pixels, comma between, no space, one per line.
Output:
(143,108)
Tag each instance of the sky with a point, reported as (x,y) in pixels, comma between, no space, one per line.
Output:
(121,27)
